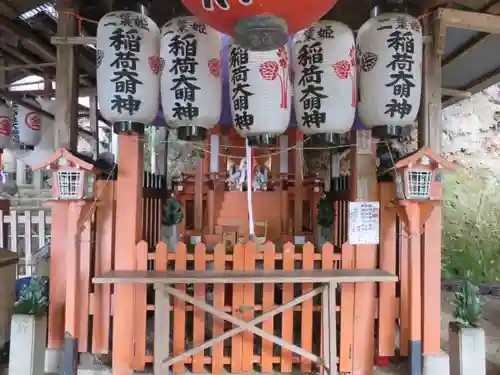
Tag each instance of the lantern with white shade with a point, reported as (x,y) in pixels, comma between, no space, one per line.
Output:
(191,84)
(128,66)
(27,124)
(390,76)
(6,114)
(324,62)
(260,91)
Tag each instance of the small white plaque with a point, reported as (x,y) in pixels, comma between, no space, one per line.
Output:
(364,223)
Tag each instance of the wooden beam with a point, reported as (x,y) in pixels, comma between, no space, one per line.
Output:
(26,66)
(430,248)
(460,19)
(67,81)
(82,91)
(476,85)
(456,93)
(75,40)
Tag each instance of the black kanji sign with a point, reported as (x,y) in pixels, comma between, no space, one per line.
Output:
(240,91)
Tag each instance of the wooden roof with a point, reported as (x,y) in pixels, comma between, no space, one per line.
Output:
(471,60)
(414,157)
(75,158)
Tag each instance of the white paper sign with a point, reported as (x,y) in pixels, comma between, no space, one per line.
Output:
(364,223)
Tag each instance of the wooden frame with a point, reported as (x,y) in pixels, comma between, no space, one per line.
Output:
(163,291)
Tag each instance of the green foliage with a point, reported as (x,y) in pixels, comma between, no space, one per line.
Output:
(33,298)
(471,227)
(326,214)
(172,212)
(467,305)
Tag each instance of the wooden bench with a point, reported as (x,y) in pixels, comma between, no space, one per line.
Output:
(328,280)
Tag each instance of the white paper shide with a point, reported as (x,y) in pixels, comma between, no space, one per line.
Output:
(260,90)
(390,76)
(191,78)
(325,93)
(128,66)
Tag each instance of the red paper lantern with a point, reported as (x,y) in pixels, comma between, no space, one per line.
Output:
(259,24)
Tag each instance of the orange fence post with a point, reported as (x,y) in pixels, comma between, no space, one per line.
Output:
(307,309)
(179,326)
(387,297)
(287,316)
(268,305)
(219,303)
(199,314)
(249,304)
(237,340)
(346,313)
(140,307)
(86,247)
(104,252)
(404,297)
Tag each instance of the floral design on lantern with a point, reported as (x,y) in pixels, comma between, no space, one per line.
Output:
(390,79)
(324,63)
(191,83)
(259,103)
(270,70)
(128,67)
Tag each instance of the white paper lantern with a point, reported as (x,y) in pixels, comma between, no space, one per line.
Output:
(128,66)
(390,76)
(6,115)
(324,63)
(260,90)
(191,83)
(28,124)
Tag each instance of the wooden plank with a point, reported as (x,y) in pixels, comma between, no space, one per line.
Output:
(387,295)
(268,305)
(332,323)
(84,288)
(57,291)
(307,309)
(128,234)
(243,325)
(430,134)
(327,263)
(404,309)
(199,314)
(249,304)
(288,276)
(287,318)
(105,217)
(179,328)
(462,19)
(237,299)
(364,184)
(140,310)
(347,315)
(219,303)
(162,314)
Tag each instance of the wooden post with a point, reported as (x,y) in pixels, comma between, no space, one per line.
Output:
(429,134)
(128,233)
(363,188)
(299,185)
(198,197)
(66,116)
(94,123)
(415,310)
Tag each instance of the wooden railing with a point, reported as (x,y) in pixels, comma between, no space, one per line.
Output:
(25,232)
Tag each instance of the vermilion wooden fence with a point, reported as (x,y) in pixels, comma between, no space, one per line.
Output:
(241,353)
(244,352)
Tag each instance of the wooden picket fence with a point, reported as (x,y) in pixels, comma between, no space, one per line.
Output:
(25,232)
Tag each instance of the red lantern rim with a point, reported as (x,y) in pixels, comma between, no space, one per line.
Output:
(298,14)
